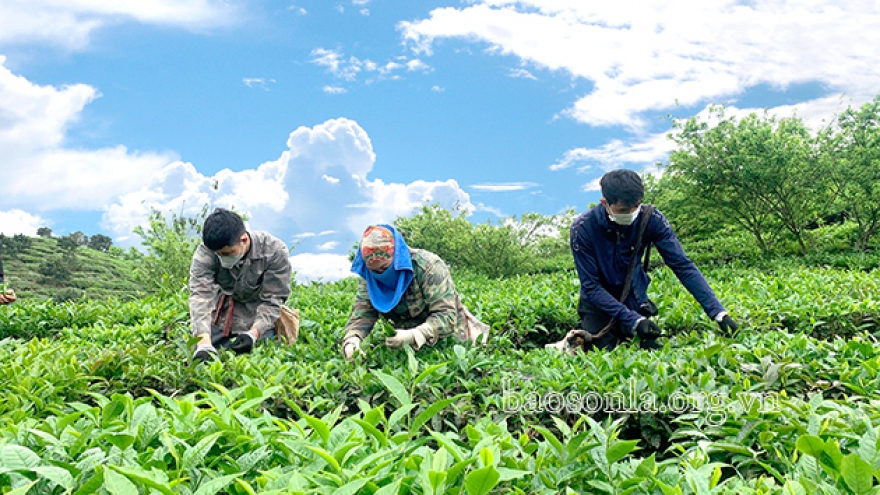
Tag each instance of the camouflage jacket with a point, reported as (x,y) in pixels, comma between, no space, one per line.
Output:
(259,284)
(430,301)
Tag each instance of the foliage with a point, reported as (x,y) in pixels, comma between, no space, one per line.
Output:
(93,274)
(58,269)
(853,149)
(101,397)
(45,232)
(170,244)
(100,242)
(511,247)
(763,172)
(15,245)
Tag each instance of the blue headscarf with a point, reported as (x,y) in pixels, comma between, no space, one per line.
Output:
(385,289)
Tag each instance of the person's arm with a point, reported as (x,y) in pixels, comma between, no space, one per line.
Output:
(202,289)
(588,272)
(683,268)
(273,292)
(363,315)
(439,293)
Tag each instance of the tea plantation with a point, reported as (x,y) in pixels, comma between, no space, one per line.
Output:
(102,397)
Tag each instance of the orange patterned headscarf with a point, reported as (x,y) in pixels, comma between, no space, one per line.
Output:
(377,248)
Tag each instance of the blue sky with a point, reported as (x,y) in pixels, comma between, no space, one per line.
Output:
(321,117)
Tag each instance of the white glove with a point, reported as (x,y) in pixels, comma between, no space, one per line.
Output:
(351,346)
(412,336)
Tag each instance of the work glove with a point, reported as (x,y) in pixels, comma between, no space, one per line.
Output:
(647,329)
(728,326)
(243,343)
(351,346)
(204,353)
(410,336)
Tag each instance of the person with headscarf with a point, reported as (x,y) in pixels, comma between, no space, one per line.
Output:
(410,288)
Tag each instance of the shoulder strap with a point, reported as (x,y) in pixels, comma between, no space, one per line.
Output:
(645,214)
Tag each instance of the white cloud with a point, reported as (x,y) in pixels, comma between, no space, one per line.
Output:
(291,196)
(298,10)
(503,186)
(522,73)
(349,68)
(20,222)
(360,2)
(334,90)
(364,12)
(34,121)
(416,64)
(340,9)
(70,23)
(322,267)
(648,149)
(257,82)
(490,209)
(660,54)
(437,89)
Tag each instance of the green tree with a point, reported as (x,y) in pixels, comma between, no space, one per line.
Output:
(100,242)
(44,232)
(79,238)
(852,152)
(67,243)
(759,171)
(57,270)
(170,244)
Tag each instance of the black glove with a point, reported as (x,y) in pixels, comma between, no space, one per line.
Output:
(647,329)
(203,354)
(728,326)
(242,343)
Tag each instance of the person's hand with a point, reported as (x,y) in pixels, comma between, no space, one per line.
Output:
(647,329)
(243,342)
(204,353)
(728,326)
(410,336)
(8,297)
(351,346)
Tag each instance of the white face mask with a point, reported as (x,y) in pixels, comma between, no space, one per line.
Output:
(623,218)
(230,261)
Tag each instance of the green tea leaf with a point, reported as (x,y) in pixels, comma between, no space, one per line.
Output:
(395,387)
(482,481)
(857,474)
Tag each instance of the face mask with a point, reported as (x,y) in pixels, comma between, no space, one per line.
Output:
(623,218)
(230,261)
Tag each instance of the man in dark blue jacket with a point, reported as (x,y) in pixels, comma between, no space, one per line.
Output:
(603,240)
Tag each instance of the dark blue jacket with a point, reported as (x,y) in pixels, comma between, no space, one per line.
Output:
(602,250)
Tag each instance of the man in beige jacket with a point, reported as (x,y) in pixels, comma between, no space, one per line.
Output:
(238,283)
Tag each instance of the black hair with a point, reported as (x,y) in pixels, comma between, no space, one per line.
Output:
(222,228)
(622,186)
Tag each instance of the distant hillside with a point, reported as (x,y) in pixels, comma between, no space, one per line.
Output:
(91,274)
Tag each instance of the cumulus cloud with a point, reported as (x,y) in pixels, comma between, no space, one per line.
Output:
(334,90)
(20,222)
(70,23)
(40,174)
(317,195)
(667,53)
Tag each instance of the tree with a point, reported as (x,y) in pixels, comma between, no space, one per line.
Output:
(170,244)
(100,242)
(44,232)
(15,245)
(760,172)
(852,151)
(58,269)
(79,238)
(67,243)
